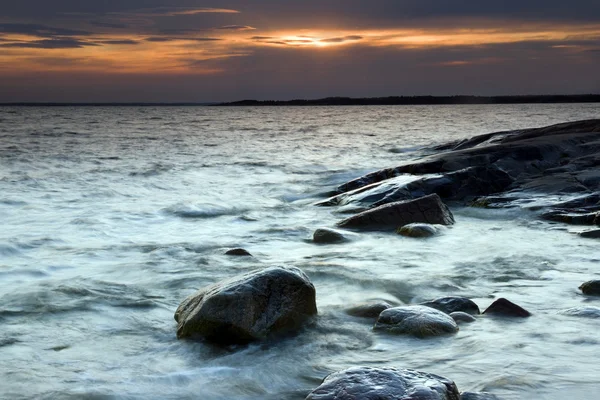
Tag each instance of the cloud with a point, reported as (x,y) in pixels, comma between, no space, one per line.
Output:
(175,11)
(160,39)
(351,38)
(113,25)
(120,42)
(237,28)
(50,44)
(39,30)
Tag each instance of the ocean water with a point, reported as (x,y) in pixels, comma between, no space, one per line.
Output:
(111,216)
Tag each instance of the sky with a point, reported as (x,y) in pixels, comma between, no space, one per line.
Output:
(226,50)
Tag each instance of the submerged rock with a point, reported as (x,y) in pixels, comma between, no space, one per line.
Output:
(418,230)
(506,308)
(419,321)
(369,310)
(452,304)
(367,383)
(238,252)
(585,312)
(478,396)
(248,307)
(428,209)
(591,288)
(328,236)
(459,316)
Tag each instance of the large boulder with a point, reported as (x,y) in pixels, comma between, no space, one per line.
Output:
(248,307)
(452,304)
(419,321)
(366,383)
(427,209)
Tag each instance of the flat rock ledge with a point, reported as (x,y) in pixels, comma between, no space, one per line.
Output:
(368,383)
(418,321)
(428,209)
(248,307)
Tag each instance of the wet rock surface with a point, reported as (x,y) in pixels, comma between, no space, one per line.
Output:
(591,288)
(418,321)
(328,236)
(248,307)
(478,396)
(460,317)
(369,309)
(428,209)
(505,308)
(585,312)
(418,230)
(238,253)
(452,304)
(368,383)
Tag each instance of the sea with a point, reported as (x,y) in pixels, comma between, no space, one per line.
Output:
(111,216)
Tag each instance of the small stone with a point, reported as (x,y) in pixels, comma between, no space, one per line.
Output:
(451,304)
(328,236)
(459,316)
(585,312)
(591,288)
(505,308)
(238,253)
(418,230)
(418,321)
(369,310)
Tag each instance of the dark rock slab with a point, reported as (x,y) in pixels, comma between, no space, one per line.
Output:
(238,253)
(418,321)
(369,309)
(367,383)
(591,288)
(571,218)
(592,234)
(248,307)
(506,308)
(452,304)
(428,209)
(459,316)
(328,236)
(418,230)
(478,396)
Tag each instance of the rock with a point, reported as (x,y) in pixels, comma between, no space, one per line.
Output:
(367,383)
(571,218)
(419,321)
(452,304)
(238,252)
(593,234)
(369,310)
(418,230)
(328,236)
(505,308)
(248,307)
(428,209)
(459,316)
(591,288)
(585,312)
(478,396)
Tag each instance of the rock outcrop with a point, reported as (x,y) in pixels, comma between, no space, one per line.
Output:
(498,170)
(418,321)
(248,307)
(427,209)
(384,384)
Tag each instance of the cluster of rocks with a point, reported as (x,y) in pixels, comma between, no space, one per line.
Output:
(503,169)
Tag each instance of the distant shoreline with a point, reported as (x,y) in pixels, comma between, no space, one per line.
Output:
(345,101)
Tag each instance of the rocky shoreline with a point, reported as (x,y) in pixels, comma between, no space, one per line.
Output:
(552,171)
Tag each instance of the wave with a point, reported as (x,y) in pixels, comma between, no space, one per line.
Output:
(201,211)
